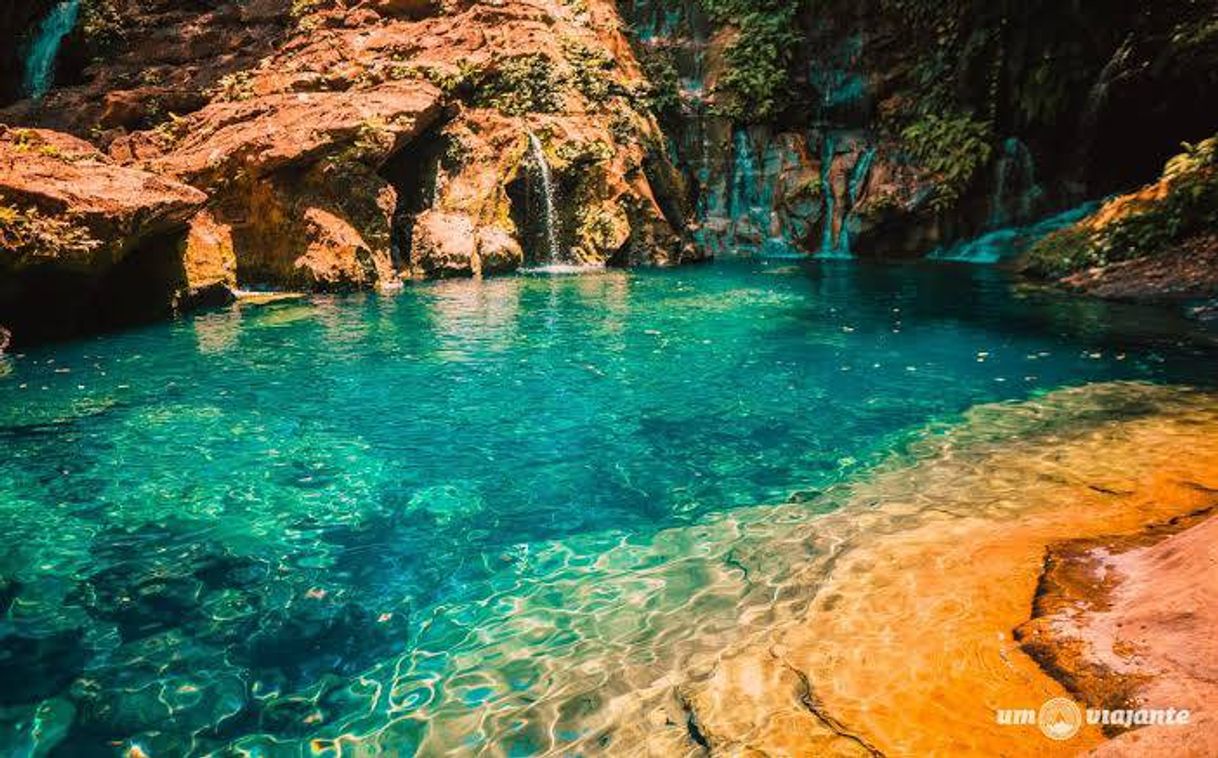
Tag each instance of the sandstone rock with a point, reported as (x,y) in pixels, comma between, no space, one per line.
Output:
(85,242)
(444,245)
(267,134)
(337,257)
(208,261)
(411,9)
(66,178)
(498,251)
(302,125)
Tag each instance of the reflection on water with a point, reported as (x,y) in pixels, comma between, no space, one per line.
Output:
(264,526)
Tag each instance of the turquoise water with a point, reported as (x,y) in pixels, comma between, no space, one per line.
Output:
(260,526)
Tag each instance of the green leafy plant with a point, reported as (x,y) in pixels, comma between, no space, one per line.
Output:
(950,150)
(757,79)
(660,67)
(1185,204)
(592,72)
(101,25)
(233,87)
(448,79)
(520,85)
(1060,253)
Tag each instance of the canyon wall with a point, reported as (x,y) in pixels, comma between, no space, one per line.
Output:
(353,144)
(350,145)
(888,128)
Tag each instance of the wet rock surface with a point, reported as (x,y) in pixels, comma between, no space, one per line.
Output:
(1186,272)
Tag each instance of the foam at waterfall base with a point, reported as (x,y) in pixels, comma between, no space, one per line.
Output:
(560,269)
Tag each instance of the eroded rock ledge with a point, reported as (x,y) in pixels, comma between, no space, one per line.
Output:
(84,240)
(1127,622)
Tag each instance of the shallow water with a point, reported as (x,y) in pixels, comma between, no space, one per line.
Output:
(267,525)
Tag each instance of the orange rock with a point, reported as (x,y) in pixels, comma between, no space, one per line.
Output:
(908,644)
(67,178)
(1129,621)
(208,261)
(412,9)
(498,251)
(444,245)
(337,256)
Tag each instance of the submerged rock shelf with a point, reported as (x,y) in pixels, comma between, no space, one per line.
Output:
(518,514)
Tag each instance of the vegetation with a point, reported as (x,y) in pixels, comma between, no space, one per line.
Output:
(950,149)
(233,87)
(1183,204)
(592,72)
(102,26)
(28,233)
(447,79)
(757,80)
(302,8)
(520,85)
(660,68)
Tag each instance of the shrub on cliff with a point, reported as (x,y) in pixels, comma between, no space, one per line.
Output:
(660,66)
(757,78)
(1181,205)
(102,26)
(520,85)
(949,150)
(29,234)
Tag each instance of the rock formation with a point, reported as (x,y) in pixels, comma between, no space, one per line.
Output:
(350,144)
(82,237)
(1127,622)
(339,145)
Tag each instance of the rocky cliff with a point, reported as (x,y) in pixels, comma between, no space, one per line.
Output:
(339,145)
(346,144)
(886,128)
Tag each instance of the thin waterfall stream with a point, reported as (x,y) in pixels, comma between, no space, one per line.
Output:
(44,49)
(547,185)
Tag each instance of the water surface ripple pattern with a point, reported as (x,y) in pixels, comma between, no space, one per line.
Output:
(309,524)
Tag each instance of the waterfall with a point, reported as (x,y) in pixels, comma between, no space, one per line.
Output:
(858,179)
(547,185)
(1004,244)
(838,246)
(1014,178)
(44,49)
(827,246)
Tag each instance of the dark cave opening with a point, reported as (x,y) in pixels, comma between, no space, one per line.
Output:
(415,173)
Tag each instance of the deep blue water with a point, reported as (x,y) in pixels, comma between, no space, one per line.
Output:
(215,523)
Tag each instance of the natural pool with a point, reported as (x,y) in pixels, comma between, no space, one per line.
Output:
(389,517)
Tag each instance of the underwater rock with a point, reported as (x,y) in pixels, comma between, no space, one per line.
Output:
(34,668)
(315,636)
(958,542)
